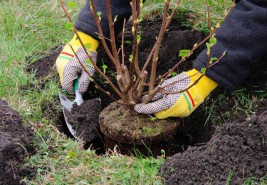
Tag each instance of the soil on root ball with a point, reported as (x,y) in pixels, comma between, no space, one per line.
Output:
(237,149)
(15,144)
(131,131)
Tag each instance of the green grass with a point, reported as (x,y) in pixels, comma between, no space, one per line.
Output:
(29,28)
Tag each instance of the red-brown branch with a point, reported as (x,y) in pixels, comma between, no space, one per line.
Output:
(101,34)
(89,56)
(87,72)
(112,38)
(157,48)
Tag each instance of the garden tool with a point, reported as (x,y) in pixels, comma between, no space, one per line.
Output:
(67,106)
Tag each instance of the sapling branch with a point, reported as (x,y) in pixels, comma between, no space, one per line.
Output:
(209,45)
(122,43)
(90,77)
(165,76)
(89,56)
(101,34)
(167,25)
(142,84)
(157,48)
(112,38)
(135,23)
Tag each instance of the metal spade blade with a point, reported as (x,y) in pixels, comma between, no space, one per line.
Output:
(67,106)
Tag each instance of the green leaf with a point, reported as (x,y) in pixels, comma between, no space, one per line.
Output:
(104,67)
(88,46)
(213,59)
(213,40)
(71,4)
(131,58)
(116,18)
(174,73)
(89,62)
(208,48)
(99,15)
(138,38)
(203,70)
(210,2)
(69,26)
(183,52)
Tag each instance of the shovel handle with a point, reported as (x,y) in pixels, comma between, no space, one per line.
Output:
(78,96)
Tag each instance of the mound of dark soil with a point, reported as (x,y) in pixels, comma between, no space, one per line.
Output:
(15,144)
(236,148)
(85,119)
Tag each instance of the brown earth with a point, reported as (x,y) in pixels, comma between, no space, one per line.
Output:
(16,142)
(44,65)
(85,118)
(237,148)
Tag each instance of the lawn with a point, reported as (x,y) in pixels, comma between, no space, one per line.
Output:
(30,28)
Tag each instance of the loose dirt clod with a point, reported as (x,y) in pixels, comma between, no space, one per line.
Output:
(15,143)
(236,148)
(85,119)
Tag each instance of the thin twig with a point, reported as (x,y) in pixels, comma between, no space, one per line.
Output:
(167,25)
(87,72)
(165,76)
(112,38)
(90,57)
(122,43)
(101,34)
(157,48)
(135,23)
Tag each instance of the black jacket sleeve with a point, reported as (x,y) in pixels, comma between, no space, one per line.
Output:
(86,23)
(243,36)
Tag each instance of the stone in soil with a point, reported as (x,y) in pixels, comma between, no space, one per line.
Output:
(15,144)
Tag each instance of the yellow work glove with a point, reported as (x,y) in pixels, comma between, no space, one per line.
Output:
(69,67)
(179,104)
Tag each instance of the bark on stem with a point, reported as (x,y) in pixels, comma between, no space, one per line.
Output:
(135,39)
(87,72)
(157,48)
(112,38)
(89,56)
(101,35)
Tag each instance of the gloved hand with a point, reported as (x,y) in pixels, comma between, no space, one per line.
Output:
(69,67)
(179,104)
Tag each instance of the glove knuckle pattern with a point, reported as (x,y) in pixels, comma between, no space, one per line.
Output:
(73,69)
(173,84)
